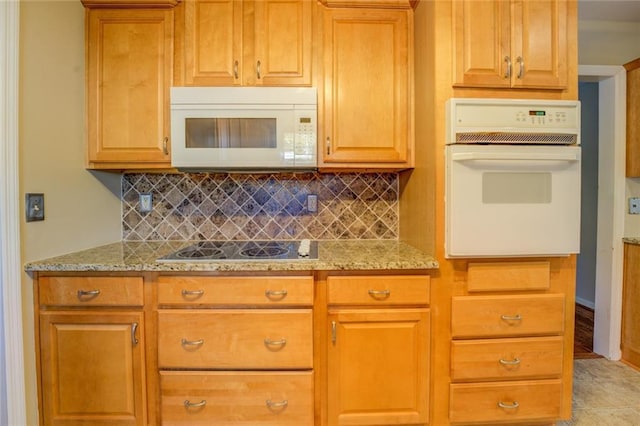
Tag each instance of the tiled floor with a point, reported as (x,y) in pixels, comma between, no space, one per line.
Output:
(605,393)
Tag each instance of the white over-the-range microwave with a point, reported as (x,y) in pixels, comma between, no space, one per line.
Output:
(243,128)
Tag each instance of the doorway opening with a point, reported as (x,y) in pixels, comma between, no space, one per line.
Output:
(608,246)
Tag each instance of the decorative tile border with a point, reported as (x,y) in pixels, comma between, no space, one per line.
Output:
(202,206)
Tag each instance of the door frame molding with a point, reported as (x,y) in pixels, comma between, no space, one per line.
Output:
(612,86)
(10,255)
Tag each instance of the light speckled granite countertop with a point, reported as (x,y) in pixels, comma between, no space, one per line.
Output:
(632,240)
(332,255)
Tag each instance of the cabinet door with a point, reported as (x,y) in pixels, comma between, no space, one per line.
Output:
(367,86)
(539,39)
(92,368)
(128,77)
(633,119)
(378,366)
(282,43)
(482,43)
(630,343)
(213,42)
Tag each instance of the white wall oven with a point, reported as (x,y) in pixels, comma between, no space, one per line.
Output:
(512,178)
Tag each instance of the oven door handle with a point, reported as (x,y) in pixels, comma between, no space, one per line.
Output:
(508,156)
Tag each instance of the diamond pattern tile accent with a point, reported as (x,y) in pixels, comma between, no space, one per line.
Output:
(202,206)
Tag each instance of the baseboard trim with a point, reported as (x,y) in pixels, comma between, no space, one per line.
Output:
(589,304)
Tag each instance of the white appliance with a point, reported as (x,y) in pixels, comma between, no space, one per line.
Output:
(243,128)
(512,178)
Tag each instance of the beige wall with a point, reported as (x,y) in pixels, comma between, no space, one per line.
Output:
(608,42)
(82,209)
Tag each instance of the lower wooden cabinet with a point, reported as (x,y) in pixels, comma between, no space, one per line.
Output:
(630,338)
(92,368)
(237,398)
(378,349)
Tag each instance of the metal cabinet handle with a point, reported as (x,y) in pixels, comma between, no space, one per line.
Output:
(185,342)
(276,294)
(516,317)
(258,66)
(165,145)
(509,405)
(192,294)
(134,328)
(88,294)
(328,145)
(334,332)
(507,72)
(520,61)
(189,404)
(379,294)
(273,404)
(269,342)
(235,70)
(514,361)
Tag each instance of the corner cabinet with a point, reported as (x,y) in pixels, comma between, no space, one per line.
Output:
(252,43)
(633,118)
(92,357)
(366,103)
(378,354)
(128,69)
(510,44)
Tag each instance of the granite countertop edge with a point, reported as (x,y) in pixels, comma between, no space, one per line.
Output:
(631,240)
(140,256)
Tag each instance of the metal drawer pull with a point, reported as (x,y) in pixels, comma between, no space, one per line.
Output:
(235,69)
(509,406)
(258,70)
(193,294)
(281,404)
(88,294)
(334,332)
(514,361)
(268,342)
(507,73)
(186,342)
(516,317)
(520,61)
(276,294)
(379,294)
(134,328)
(189,404)
(165,145)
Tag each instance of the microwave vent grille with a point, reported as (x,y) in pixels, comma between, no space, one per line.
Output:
(516,138)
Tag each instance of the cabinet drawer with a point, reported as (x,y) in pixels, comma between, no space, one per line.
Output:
(253,291)
(492,316)
(238,398)
(383,290)
(504,359)
(505,402)
(235,338)
(508,276)
(91,291)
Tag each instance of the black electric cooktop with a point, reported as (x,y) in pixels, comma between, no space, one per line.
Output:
(244,250)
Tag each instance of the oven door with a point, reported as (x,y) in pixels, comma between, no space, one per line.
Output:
(512,200)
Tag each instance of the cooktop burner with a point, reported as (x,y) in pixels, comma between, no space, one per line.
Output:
(244,250)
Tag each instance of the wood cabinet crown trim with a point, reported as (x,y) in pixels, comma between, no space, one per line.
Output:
(91,4)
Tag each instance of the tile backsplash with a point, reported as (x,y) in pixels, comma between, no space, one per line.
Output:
(200,206)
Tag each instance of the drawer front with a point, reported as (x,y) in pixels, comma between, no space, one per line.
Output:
(236,338)
(382,290)
(493,316)
(504,359)
(91,291)
(237,398)
(508,276)
(225,291)
(505,402)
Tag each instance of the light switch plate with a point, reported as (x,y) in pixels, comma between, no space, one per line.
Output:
(634,205)
(146,202)
(34,206)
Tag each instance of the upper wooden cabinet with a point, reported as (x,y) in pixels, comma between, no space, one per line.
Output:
(242,42)
(633,118)
(366,105)
(510,44)
(128,70)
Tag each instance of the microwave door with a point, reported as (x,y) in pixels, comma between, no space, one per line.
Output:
(512,200)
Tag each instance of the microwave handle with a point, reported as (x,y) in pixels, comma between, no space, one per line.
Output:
(506,156)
